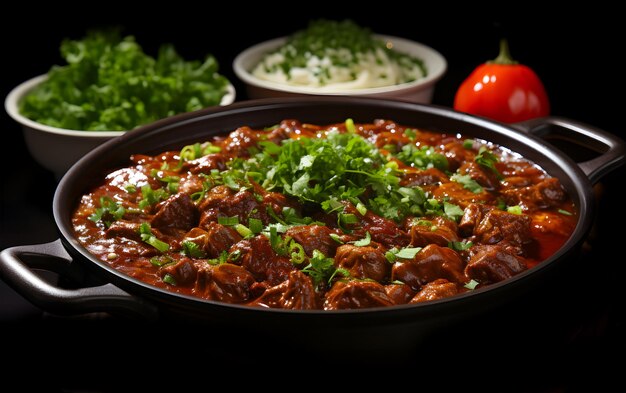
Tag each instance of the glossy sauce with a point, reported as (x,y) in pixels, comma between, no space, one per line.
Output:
(492,243)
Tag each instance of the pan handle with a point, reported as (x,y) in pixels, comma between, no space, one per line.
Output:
(17,272)
(611,149)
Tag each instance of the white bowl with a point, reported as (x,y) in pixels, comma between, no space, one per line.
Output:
(57,149)
(420,91)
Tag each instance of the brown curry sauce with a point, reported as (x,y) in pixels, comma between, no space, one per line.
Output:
(517,217)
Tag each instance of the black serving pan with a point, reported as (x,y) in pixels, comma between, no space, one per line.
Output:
(399,327)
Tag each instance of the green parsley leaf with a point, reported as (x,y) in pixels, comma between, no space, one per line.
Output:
(408,252)
(454,212)
(191,249)
(467,182)
(363,242)
(487,159)
(108,212)
(110,84)
(322,269)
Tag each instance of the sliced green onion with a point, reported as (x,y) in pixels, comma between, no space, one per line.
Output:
(336,238)
(243,230)
(471,285)
(169,279)
(255,225)
(517,209)
(296,252)
(350,126)
(228,221)
(147,236)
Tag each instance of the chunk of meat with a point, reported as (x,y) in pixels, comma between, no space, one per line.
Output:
(551,222)
(455,193)
(493,263)
(382,230)
(258,257)
(205,164)
(190,185)
(391,138)
(222,202)
(424,177)
(438,289)
(431,263)
(547,193)
(491,225)
(213,239)
(440,231)
(314,237)
(400,293)
(483,176)
(457,154)
(498,225)
(356,294)
(126,229)
(184,272)
(297,293)
(178,211)
(363,262)
(224,282)
(472,215)
(240,141)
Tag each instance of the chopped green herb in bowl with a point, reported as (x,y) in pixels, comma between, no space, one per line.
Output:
(109,86)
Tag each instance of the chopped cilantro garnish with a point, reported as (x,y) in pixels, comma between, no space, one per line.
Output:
(404,253)
(365,241)
(322,268)
(487,159)
(108,211)
(191,249)
(467,182)
(423,157)
(151,197)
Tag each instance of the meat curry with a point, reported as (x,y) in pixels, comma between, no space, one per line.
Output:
(339,216)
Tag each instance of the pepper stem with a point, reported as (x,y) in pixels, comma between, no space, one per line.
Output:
(504,57)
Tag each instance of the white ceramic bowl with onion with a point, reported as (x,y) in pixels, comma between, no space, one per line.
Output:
(420,90)
(57,149)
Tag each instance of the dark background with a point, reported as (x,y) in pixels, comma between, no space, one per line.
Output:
(572,332)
